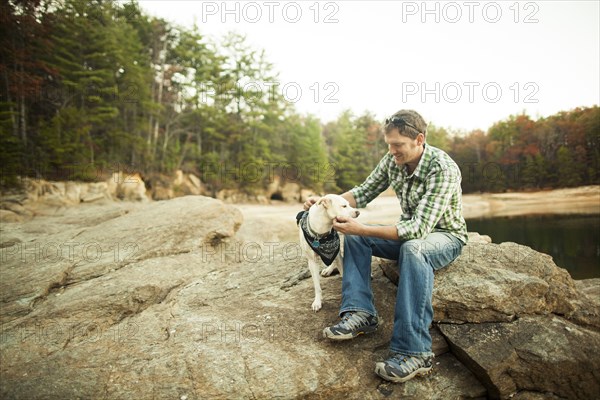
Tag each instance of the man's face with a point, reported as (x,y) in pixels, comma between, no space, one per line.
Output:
(404,149)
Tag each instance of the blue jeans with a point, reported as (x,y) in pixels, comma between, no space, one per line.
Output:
(417,260)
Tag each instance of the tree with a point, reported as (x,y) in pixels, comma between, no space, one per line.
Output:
(567,172)
(348,150)
(437,137)
(23,43)
(306,155)
(533,173)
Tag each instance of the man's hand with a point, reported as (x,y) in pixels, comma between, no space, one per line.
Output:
(348,226)
(310,201)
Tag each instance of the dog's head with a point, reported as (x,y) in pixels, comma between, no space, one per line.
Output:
(336,206)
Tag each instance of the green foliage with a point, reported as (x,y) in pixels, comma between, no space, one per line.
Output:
(519,153)
(354,148)
(99,84)
(568,174)
(10,149)
(438,137)
(304,152)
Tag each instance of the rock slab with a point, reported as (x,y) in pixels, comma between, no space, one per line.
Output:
(199,305)
(543,354)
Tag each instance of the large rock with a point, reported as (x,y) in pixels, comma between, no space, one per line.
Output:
(66,254)
(235,196)
(492,283)
(9,216)
(39,197)
(500,282)
(127,186)
(284,189)
(587,305)
(518,321)
(165,187)
(66,193)
(545,354)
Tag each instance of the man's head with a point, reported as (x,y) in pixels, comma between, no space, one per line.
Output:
(407,122)
(405,136)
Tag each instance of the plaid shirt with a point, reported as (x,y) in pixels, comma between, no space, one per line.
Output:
(431,197)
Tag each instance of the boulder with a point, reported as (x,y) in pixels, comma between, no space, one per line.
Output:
(164,187)
(500,282)
(95,191)
(14,204)
(284,190)
(159,186)
(46,192)
(587,304)
(544,354)
(186,184)
(73,192)
(234,196)
(127,186)
(195,181)
(40,194)
(67,254)
(9,216)
(518,321)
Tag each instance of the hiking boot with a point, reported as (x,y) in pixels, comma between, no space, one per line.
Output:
(400,368)
(353,323)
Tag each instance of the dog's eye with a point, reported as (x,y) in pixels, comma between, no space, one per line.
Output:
(344,206)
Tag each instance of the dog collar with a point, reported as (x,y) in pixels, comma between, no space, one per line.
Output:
(313,233)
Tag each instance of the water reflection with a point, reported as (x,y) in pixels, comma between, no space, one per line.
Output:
(572,240)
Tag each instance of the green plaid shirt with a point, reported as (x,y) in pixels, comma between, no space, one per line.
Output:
(431,197)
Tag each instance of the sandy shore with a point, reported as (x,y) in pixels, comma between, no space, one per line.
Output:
(581,200)
(386,209)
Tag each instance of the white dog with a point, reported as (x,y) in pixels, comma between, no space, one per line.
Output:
(319,242)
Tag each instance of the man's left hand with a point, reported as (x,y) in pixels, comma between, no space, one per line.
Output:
(348,226)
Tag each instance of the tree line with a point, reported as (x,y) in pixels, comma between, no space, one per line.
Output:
(518,153)
(93,87)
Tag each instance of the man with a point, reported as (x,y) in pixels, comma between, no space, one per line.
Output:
(429,235)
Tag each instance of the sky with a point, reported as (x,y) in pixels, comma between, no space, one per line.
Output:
(463,65)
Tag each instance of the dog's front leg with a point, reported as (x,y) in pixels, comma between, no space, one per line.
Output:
(314,272)
(337,264)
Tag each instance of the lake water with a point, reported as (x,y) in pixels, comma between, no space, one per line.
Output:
(572,240)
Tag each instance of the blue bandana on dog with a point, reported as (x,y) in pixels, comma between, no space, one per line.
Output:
(327,247)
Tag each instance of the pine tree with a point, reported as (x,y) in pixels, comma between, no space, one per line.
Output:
(567,171)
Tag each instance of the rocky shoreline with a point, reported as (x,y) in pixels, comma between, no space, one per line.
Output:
(39,197)
(193,298)
(580,200)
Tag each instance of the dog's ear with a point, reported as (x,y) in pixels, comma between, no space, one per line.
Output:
(325,202)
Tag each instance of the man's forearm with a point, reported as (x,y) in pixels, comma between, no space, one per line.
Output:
(388,232)
(349,226)
(383,232)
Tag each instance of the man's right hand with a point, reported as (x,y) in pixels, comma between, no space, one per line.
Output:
(310,201)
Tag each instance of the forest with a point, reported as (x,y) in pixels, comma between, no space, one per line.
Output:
(88,88)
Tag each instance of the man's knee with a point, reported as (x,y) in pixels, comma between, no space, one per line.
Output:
(412,248)
(412,253)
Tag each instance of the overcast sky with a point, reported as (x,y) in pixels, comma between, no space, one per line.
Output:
(462,65)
